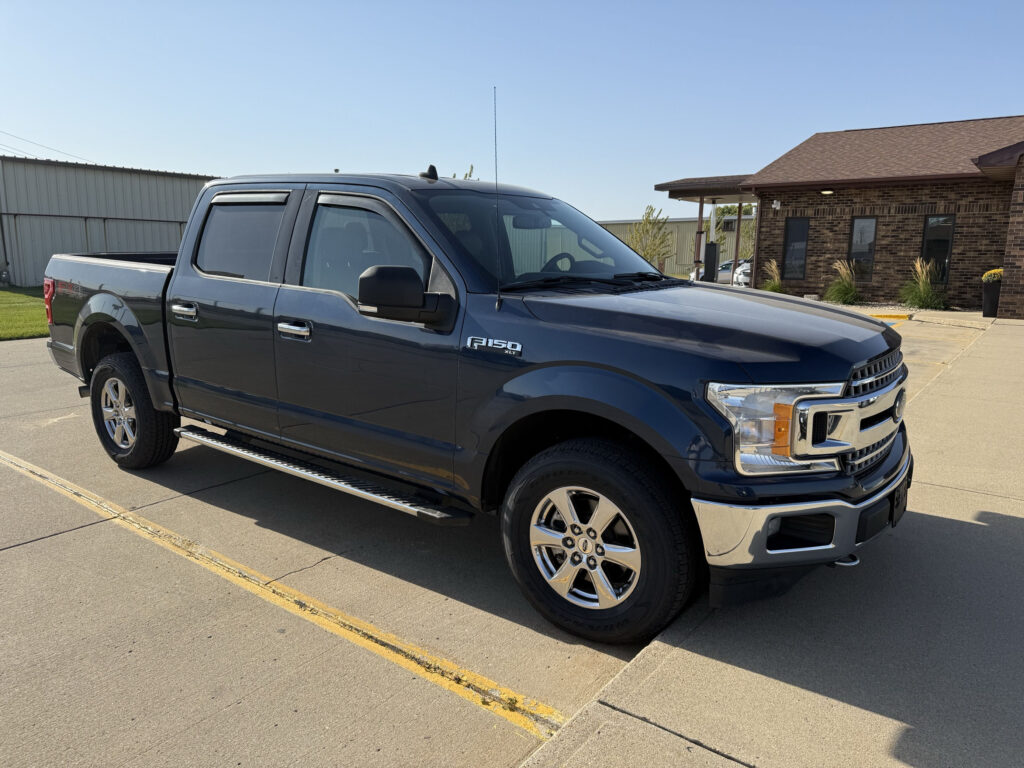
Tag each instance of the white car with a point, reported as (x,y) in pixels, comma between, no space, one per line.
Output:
(742,276)
(724,271)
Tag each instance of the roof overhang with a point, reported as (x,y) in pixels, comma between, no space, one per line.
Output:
(1000,165)
(863,182)
(721,190)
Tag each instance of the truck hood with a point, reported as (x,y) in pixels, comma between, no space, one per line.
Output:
(774,338)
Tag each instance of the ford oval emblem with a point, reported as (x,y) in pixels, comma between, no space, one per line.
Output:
(899,406)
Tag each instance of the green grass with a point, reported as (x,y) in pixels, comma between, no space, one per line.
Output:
(22,315)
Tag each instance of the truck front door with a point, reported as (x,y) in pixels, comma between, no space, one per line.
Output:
(220,305)
(364,390)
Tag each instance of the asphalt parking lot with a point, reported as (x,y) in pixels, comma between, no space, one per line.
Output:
(208,612)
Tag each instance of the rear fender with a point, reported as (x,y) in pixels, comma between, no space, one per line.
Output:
(107,309)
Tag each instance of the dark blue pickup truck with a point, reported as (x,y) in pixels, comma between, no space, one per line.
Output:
(446,348)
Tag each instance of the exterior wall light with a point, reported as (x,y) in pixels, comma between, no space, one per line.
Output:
(828,191)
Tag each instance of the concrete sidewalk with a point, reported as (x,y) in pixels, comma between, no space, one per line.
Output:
(911,659)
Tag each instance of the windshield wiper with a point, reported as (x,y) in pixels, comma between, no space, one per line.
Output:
(641,276)
(545,282)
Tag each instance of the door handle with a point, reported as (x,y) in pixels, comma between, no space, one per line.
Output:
(185,311)
(299,330)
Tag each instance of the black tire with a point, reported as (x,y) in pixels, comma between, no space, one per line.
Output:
(154,439)
(663,528)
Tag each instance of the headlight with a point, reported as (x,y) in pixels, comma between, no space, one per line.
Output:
(763,424)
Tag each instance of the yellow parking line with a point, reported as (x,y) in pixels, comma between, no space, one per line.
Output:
(532,716)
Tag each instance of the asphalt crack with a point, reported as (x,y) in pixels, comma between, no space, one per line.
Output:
(51,535)
(684,737)
(192,493)
(304,568)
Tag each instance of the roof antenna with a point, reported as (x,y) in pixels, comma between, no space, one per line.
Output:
(497,213)
(430,174)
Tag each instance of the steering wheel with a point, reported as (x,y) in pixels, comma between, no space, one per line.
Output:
(550,263)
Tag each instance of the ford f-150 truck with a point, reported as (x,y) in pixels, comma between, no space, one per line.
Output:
(448,348)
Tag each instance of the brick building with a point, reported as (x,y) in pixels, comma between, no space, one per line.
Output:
(952,193)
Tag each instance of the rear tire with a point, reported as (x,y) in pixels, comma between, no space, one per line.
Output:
(131,431)
(598,542)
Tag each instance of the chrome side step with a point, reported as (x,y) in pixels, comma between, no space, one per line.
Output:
(350,485)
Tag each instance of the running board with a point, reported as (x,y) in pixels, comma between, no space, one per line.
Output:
(350,485)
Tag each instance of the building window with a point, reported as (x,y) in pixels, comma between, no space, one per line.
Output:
(862,246)
(938,244)
(794,256)
(729,225)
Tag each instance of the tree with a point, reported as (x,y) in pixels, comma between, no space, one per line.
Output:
(651,238)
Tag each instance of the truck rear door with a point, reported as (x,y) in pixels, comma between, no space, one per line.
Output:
(366,390)
(220,305)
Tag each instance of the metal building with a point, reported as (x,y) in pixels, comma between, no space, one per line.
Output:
(683,231)
(49,206)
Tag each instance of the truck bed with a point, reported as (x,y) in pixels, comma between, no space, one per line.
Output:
(122,290)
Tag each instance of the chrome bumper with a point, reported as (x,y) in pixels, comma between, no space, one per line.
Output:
(737,536)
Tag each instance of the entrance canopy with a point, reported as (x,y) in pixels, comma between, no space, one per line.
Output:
(720,190)
(717,190)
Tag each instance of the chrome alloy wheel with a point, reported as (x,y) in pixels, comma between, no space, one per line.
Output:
(118,413)
(585,547)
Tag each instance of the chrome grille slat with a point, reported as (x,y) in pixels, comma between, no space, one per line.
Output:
(877,374)
(868,456)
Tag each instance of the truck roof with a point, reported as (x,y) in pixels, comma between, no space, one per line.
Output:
(391,181)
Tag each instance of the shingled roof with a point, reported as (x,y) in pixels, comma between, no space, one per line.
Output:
(900,153)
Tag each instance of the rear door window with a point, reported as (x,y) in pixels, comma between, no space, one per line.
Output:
(239,240)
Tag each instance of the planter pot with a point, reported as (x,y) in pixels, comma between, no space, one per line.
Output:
(990,298)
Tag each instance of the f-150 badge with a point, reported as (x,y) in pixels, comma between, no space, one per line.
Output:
(513,348)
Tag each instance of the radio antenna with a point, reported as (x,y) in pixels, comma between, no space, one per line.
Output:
(497,213)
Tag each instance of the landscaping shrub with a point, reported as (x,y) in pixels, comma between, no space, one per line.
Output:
(920,292)
(843,290)
(774,281)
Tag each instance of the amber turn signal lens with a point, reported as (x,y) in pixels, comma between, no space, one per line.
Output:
(783,419)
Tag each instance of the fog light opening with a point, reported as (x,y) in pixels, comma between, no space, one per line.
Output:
(800,532)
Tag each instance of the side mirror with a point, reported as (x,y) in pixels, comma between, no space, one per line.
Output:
(396,293)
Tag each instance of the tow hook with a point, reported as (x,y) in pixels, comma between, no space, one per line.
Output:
(846,562)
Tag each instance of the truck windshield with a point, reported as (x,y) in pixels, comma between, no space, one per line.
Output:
(538,238)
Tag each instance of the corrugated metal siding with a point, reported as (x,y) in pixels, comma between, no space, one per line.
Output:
(683,233)
(35,238)
(47,208)
(542,244)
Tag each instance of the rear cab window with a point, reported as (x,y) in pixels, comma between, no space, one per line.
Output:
(240,235)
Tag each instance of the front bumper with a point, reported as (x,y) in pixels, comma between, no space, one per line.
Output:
(738,537)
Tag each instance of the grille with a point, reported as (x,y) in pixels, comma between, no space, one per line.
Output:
(877,374)
(874,375)
(866,457)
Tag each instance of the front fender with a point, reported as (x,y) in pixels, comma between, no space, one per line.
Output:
(670,426)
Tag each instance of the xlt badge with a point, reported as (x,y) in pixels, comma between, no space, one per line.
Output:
(508,347)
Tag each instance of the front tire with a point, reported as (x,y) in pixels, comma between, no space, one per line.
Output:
(132,432)
(597,542)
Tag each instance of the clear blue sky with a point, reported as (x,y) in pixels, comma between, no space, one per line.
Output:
(597,101)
